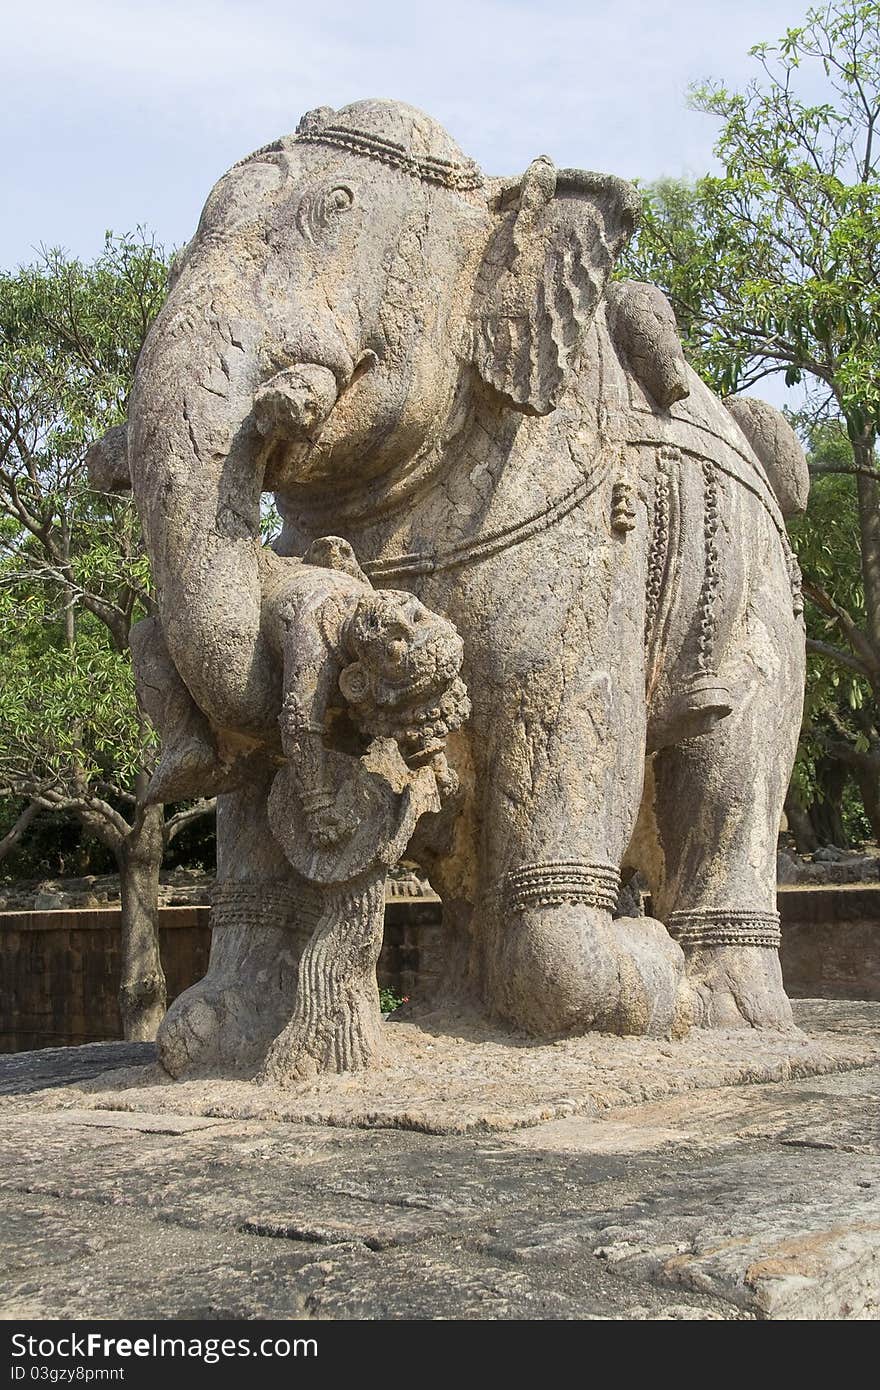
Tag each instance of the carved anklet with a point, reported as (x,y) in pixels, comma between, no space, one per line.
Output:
(725,926)
(559,881)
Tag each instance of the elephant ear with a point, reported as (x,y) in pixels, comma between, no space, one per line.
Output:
(546,267)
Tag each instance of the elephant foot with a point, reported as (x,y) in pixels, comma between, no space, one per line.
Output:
(655,995)
(225,1024)
(210,1027)
(738,987)
(570,969)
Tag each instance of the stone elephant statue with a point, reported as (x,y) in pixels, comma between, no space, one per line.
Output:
(437,367)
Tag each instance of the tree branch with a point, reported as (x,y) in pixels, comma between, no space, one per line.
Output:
(98,815)
(183,818)
(851,631)
(852,468)
(837,654)
(12,839)
(852,756)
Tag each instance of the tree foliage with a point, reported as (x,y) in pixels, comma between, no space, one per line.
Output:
(74,578)
(835,756)
(773,268)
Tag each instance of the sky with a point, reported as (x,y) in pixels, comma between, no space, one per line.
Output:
(124,114)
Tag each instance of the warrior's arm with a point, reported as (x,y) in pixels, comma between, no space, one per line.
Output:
(311,649)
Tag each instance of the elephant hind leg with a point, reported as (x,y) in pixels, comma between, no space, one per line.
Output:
(716,803)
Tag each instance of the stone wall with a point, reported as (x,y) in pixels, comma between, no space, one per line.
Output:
(59,970)
(831,942)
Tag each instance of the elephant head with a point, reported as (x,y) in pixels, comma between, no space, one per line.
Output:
(348,291)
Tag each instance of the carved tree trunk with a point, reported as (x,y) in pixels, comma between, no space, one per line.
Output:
(142,996)
(336,1025)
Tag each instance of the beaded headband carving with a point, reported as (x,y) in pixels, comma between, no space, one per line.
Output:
(316,129)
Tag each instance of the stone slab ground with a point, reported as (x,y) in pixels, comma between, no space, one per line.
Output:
(640,1188)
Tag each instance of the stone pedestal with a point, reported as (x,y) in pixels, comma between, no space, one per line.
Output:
(638,1181)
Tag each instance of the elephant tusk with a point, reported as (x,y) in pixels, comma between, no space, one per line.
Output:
(294,404)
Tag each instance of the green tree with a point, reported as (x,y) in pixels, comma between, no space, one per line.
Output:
(772,268)
(74,579)
(840,746)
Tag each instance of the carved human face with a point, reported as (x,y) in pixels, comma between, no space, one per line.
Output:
(405,680)
(402,646)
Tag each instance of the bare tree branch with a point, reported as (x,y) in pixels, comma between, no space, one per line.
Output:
(13,837)
(853,469)
(856,638)
(183,818)
(843,658)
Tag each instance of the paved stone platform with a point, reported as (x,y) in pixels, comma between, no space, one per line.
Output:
(728,1202)
(457,1074)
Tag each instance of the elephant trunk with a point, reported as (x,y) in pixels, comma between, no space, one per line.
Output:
(198,447)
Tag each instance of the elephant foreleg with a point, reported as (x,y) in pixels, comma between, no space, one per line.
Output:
(561,803)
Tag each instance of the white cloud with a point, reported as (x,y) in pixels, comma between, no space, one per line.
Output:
(120,113)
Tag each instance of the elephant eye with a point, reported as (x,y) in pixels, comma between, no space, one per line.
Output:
(339,199)
(319,209)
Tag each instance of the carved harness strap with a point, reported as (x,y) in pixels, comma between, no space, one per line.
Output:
(658,550)
(417,563)
(459,177)
(469,552)
(319,128)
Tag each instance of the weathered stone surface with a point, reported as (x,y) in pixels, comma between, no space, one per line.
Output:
(64,1066)
(107,461)
(754,1202)
(453,1075)
(434,373)
(818,1258)
(778,447)
(342,821)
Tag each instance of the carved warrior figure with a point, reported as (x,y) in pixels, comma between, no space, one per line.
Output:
(434,365)
(343,821)
(390,668)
